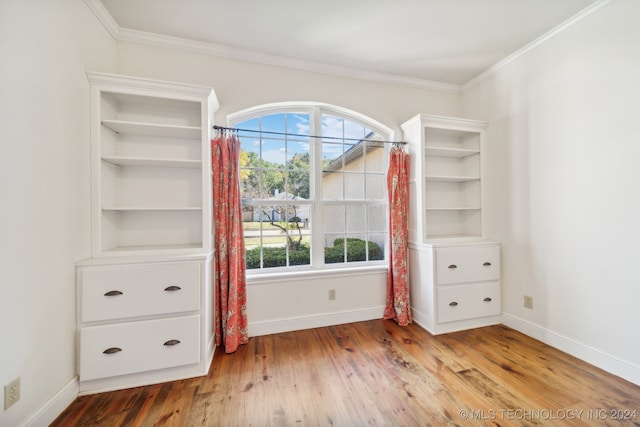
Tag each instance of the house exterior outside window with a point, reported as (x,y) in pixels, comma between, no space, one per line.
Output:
(313,181)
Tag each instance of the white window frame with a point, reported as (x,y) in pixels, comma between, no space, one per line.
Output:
(315,111)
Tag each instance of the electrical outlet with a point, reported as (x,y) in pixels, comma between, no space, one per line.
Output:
(11,393)
(528,302)
(332,294)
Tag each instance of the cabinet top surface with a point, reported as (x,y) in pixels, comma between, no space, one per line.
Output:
(456,241)
(114,260)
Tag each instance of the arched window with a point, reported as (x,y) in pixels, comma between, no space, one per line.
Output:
(313,187)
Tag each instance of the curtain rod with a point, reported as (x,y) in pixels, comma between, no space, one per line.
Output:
(222,128)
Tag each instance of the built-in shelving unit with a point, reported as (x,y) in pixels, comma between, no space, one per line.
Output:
(145,297)
(455,270)
(151,166)
(446,181)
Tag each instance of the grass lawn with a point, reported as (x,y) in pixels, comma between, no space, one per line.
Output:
(271,235)
(255,226)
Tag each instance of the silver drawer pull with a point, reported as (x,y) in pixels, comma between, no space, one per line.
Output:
(453,303)
(452,267)
(487,299)
(487,264)
(113,293)
(112,350)
(172,342)
(172,288)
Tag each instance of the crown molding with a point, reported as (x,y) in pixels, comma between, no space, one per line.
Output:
(104,17)
(211,49)
(587,12)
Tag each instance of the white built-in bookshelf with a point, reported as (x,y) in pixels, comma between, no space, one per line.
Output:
(455,270)
(446,177)
(145,297)
(150,166)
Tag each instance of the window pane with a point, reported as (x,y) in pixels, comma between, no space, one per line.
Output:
(298,123)
(356,218)
(250,184)
(298,153)
(274,214)
(377,243)
(298,184)
(338,127)
(332,156)
(356,248)
(300,256)
(251,146)
(334,250)
(333,186)
(353,157)
(251,226)
(354,186)
(376,187)
(273,153)
(274,123)
(274,251)
(375,157)
(377,218)
(334,220)
(299,237)
(355,130)
(271,183)
(300,214)
(332,126)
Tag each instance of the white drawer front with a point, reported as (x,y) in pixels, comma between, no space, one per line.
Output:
(468,301)
(128,291)
(127,348)
(467,264)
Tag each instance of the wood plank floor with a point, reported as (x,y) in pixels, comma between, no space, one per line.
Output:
(377,373)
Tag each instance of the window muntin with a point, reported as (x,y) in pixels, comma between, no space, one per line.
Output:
(286,224)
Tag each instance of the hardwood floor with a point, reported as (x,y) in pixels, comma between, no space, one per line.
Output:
(377,373)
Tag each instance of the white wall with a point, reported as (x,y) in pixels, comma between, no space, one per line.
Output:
(241,85)
(563,169)
(276,305)
(45,46)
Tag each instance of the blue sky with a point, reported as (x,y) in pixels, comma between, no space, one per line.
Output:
(274,148)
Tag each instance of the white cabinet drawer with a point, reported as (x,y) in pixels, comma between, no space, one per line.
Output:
(468,301)
(126,291)
(467,264)
(126,348)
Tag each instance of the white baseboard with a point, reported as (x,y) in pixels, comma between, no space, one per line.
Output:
(56,405)
(422,320)
(276,326)
(590,355)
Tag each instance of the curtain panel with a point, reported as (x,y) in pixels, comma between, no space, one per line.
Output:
(398,303)
(230,285)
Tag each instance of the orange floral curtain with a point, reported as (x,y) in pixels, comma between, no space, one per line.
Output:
(398,307)
(230,285)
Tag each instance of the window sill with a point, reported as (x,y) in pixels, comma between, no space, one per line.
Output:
(326,273)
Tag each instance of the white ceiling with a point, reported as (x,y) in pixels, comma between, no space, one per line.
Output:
(448,41)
